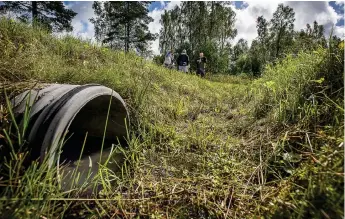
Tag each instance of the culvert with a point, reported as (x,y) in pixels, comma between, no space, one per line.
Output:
(61,111)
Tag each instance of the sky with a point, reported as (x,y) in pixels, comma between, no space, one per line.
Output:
(325,13)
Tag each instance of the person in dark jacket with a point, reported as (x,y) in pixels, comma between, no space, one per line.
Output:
(200,65)
(183,61)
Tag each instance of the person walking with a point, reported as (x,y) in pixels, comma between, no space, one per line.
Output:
(200,65)
(169,60)
(183,61)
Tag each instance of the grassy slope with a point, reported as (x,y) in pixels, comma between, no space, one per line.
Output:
(224,147)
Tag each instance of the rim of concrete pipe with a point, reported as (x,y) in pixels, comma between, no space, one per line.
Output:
(19,102)
(65,116)
(48,97)
(61,107)
(42,105)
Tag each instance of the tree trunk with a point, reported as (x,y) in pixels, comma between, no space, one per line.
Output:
(34,11)
(190,24)
(279,39)
(212,20)
(127,37)
(278,43)
(127,29)
(180,30)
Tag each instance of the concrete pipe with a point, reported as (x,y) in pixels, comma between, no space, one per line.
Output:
(66,112)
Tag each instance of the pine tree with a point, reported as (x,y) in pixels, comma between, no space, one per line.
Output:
(123,25)
(52,14)
(100,24)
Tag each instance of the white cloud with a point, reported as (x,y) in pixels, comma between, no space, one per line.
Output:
(155,26)
(339,31)
(82,27)
(305,12)
(246,18)
(244,4)
(162,4)
(308,12)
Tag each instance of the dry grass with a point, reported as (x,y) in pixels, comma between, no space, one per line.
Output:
(227,147)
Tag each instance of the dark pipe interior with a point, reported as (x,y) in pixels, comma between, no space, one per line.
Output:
(92,119)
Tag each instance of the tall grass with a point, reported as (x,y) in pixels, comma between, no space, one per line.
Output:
(227,147)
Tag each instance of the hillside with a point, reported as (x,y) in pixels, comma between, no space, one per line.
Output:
(220,147)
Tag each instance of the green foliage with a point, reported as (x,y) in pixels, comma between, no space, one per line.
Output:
(309,38)
(284,85)
(276,40)
(195,28)
(308,159)
(217,60)
(158,59)
(281,29)
(123,25)
(51,14)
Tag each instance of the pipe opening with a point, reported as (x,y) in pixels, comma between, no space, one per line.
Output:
(91,119)
(77,110)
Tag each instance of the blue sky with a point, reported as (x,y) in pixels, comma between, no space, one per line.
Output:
(157,5)
(339,9)
(325,13)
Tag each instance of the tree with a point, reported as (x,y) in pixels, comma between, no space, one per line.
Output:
(263,39)
(228,30)
(100,23)
(310,38)
(282,25)
(52,14)
(239,57)
(240,48)
(171,33)
(257,61)
(221,22)
(123,25)
(163,33)
(189,22)
(196,28)
(262,26)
